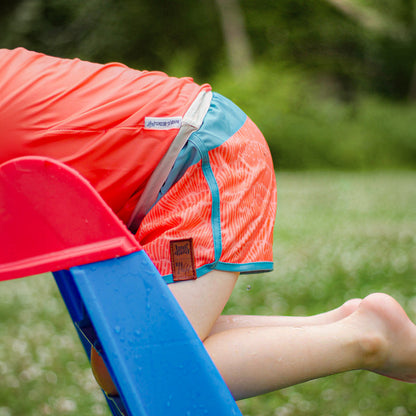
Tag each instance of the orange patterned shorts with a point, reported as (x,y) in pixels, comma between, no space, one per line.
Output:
(222,198)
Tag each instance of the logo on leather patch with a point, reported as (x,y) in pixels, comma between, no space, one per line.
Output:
(182,260)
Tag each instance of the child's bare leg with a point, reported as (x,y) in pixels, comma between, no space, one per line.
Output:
(378,336)
(254,361)
(204,299)
(203,311)
(226,322)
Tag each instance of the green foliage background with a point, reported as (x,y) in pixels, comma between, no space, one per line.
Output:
(328,87)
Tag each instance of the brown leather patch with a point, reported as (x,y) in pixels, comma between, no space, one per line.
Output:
(182,260)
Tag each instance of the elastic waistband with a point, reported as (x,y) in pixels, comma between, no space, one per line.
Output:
(191,121)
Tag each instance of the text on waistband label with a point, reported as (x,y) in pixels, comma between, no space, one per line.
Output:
(162,123)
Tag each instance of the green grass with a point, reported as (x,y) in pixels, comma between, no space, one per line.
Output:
(338,235)
(43,369)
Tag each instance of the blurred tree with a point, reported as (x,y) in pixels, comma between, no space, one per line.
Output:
(369,17)
(347,45)
(311,36)
(141,33)
(393,23)
(235,36)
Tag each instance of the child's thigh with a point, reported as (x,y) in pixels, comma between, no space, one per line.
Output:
(204,299)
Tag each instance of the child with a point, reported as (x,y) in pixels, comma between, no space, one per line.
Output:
(192,177)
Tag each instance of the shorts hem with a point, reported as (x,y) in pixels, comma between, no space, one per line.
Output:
(243,268)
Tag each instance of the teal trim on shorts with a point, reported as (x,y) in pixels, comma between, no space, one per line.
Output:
(215,206)
(246,268)
(243,268)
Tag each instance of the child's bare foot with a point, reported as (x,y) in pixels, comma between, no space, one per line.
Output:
(337,314)
(389,338)
(346,309)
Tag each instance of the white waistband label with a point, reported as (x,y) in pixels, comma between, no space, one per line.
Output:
(162,123)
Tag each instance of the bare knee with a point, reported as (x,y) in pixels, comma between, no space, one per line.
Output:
(204,299)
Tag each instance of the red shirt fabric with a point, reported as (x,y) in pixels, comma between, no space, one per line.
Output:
(91,117)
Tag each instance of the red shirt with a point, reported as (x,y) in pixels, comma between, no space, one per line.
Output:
(91,117)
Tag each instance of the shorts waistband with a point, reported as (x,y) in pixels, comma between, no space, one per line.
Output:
(191,121)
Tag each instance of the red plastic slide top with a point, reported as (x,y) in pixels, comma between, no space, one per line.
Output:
(52,219)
